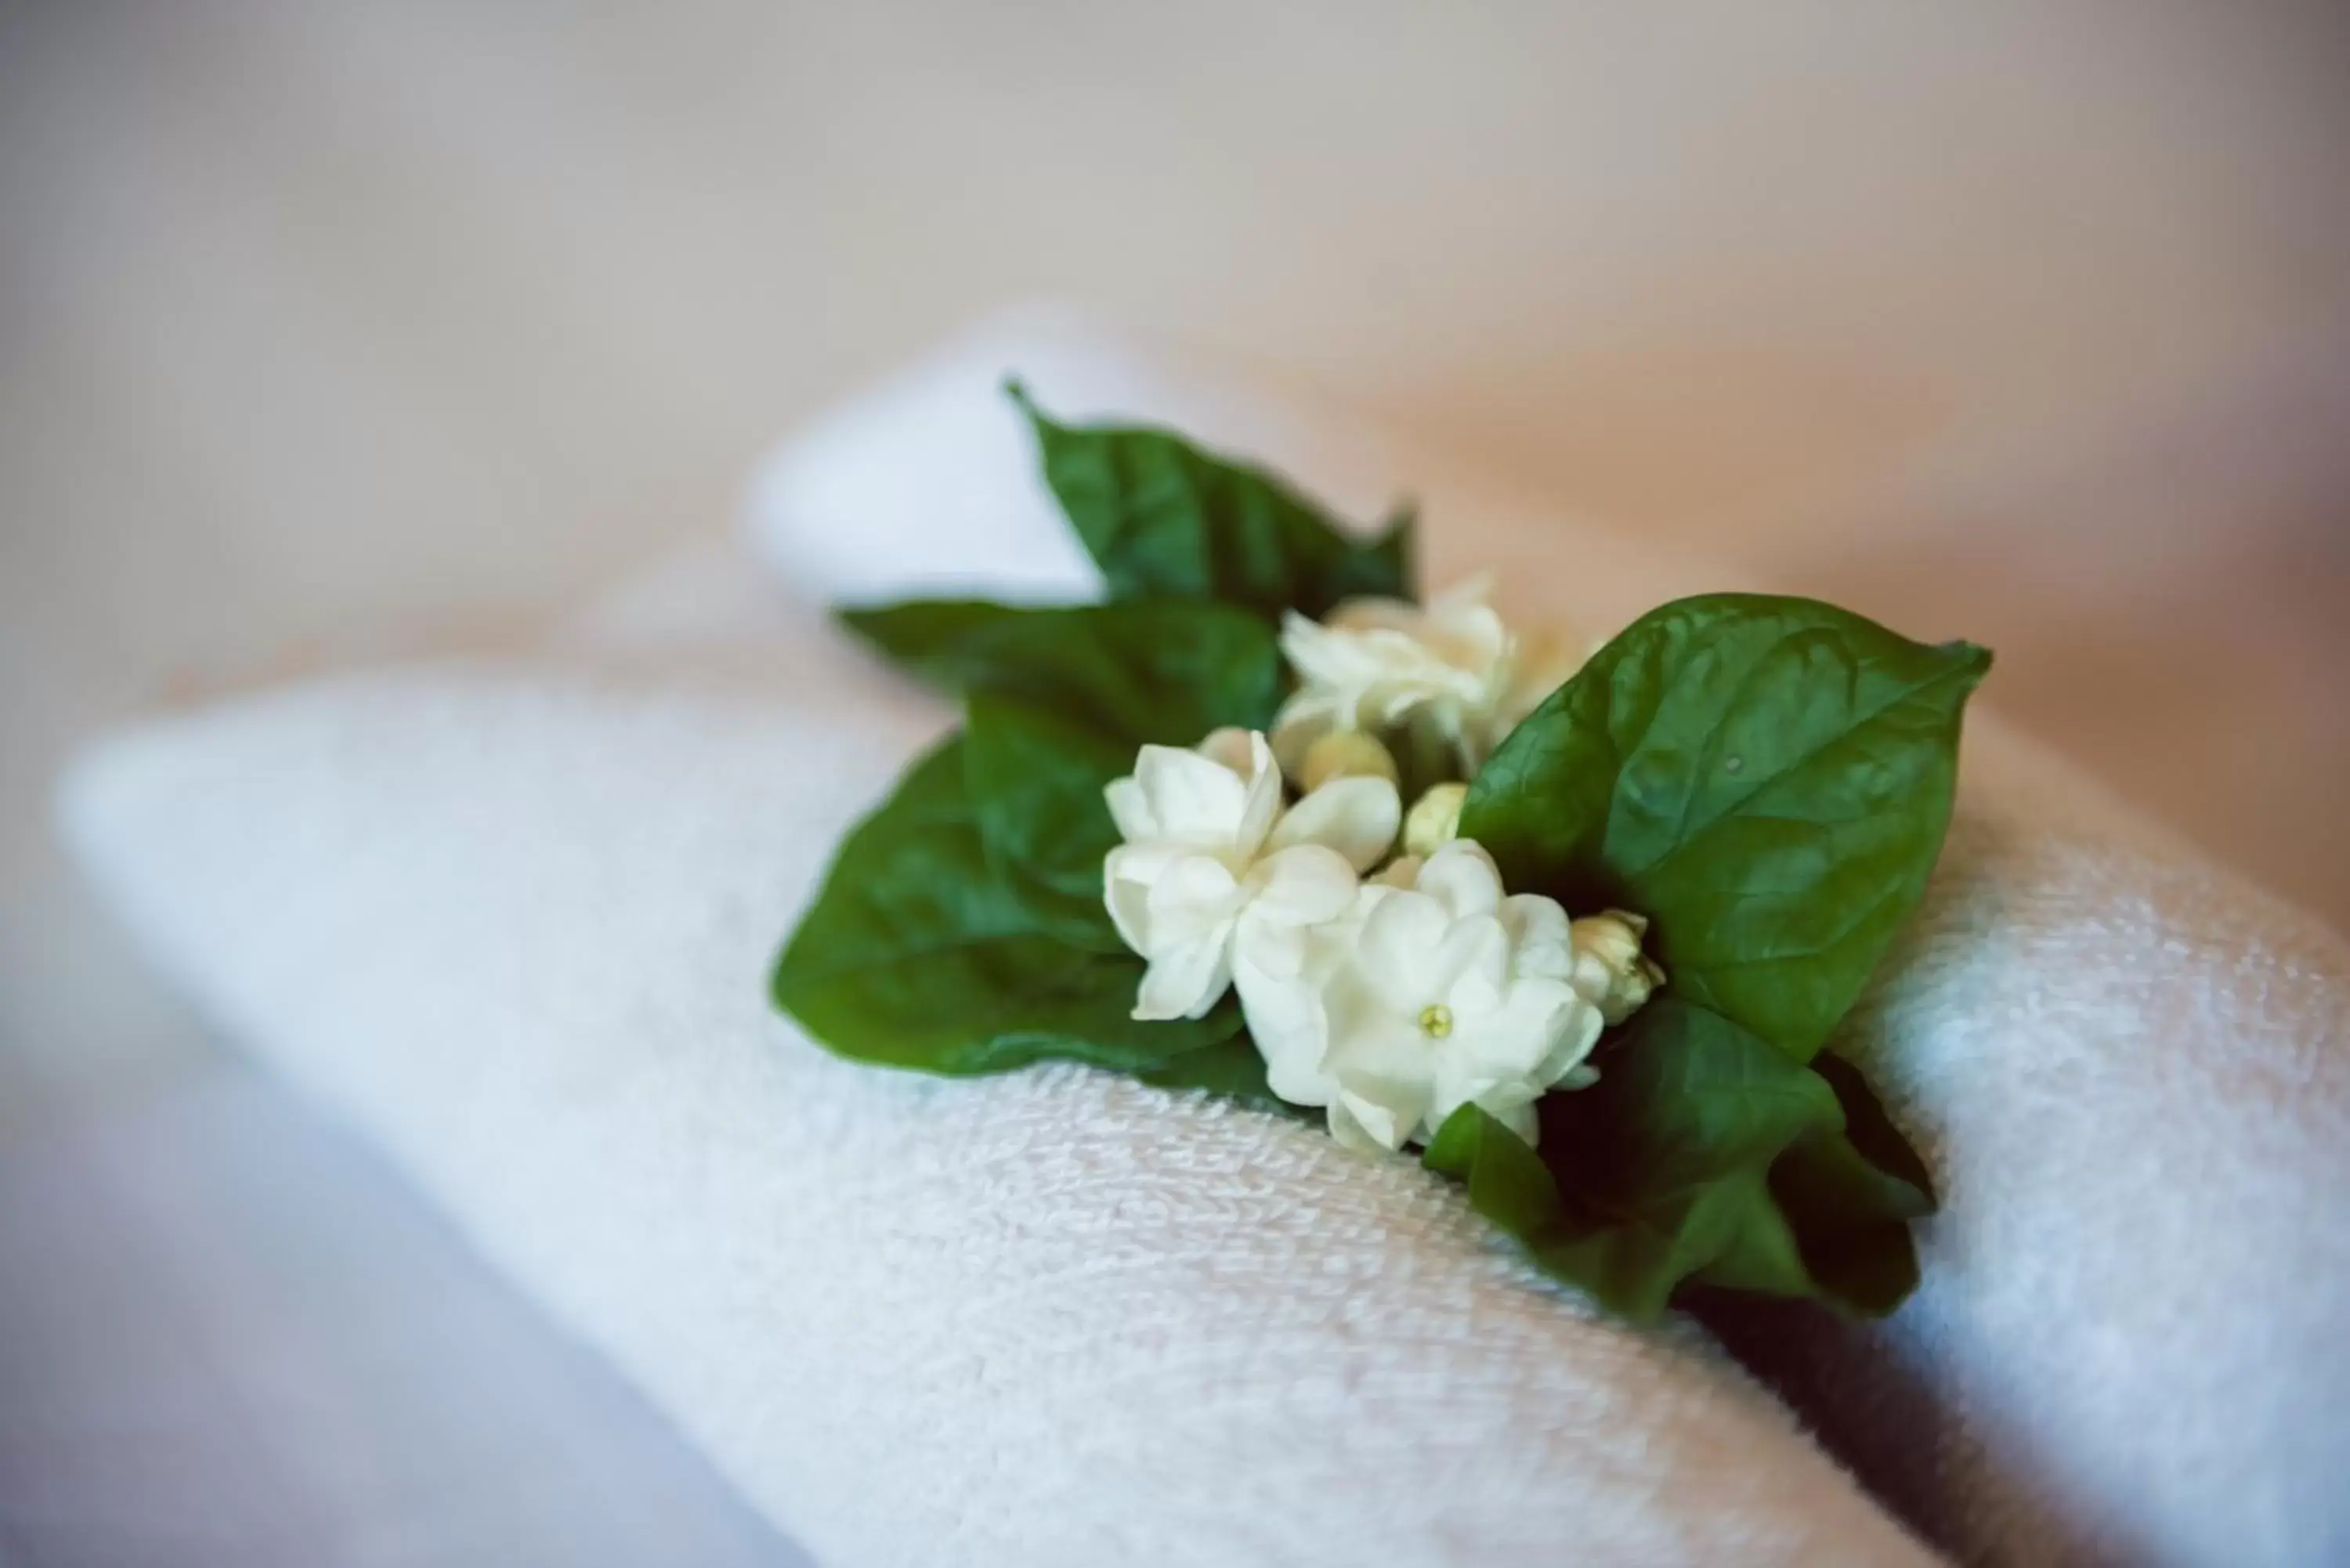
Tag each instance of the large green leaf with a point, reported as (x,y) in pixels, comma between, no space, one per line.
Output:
(1166,670)
(1162,516)
(1685,1098)
(918,955)
(962,928)
(1036,780)
(1061,700)
(1769,779)
(1667,1173)
(938,640)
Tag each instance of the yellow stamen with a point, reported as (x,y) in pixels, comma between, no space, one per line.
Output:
(1435,1020)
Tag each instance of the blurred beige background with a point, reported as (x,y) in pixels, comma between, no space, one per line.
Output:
(329,329)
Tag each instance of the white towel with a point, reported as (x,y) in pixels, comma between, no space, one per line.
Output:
(516,927)
(2130,1072)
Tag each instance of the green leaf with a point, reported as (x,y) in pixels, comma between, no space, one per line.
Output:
(933,639)
(962,928)
(1769,779)
(1036,780)
(1165,670)
(1627,1264)
(1508,1182)
(1061,702)
(1876,1139)
(1686,1097)
(1667,1174)
(1163,517)
(915,955)
(1851,1197)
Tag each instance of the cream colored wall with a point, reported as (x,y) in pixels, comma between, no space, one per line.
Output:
(323,326)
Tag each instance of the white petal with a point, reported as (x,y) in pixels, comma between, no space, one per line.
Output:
(1461,876)
(1355,816)
(1475,640)
(1302,885)
(1399,651)
(1367,1126)
(1186,982)
(1301,637)
(1130,910)
(1343,653)
(1190,797)
(1270,948)
(1194,895)
(1574,1031)
(1129,873)
(1229,747)
(1541,937)
(1534,920)
(1470,967)
(1129,807)
(1399,936)
(1375,614)
(1327,662)
(1470,593)
(1465,628)
(1297,1079)
(1373,1011)
(1286,1022)
(1349,1134)
(1519,1040)
(1263,804)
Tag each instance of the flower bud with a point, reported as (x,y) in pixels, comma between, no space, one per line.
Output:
(1435,819)
(1610,969)
(1345,754)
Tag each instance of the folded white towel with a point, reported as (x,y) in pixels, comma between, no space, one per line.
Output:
(517,928)
(2130,1073)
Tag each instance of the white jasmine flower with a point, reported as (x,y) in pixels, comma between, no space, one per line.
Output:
(1209,853)
(1435,819)
(1610,969)
(1377,663)
(1434,992)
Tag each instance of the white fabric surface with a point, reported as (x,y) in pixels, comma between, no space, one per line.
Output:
(2130,1072)
(231,1337)
(516,926)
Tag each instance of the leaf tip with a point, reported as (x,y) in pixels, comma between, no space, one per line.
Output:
(780,981)
(1453,1150)
(1973,655)
(867,623)
(1972,661)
